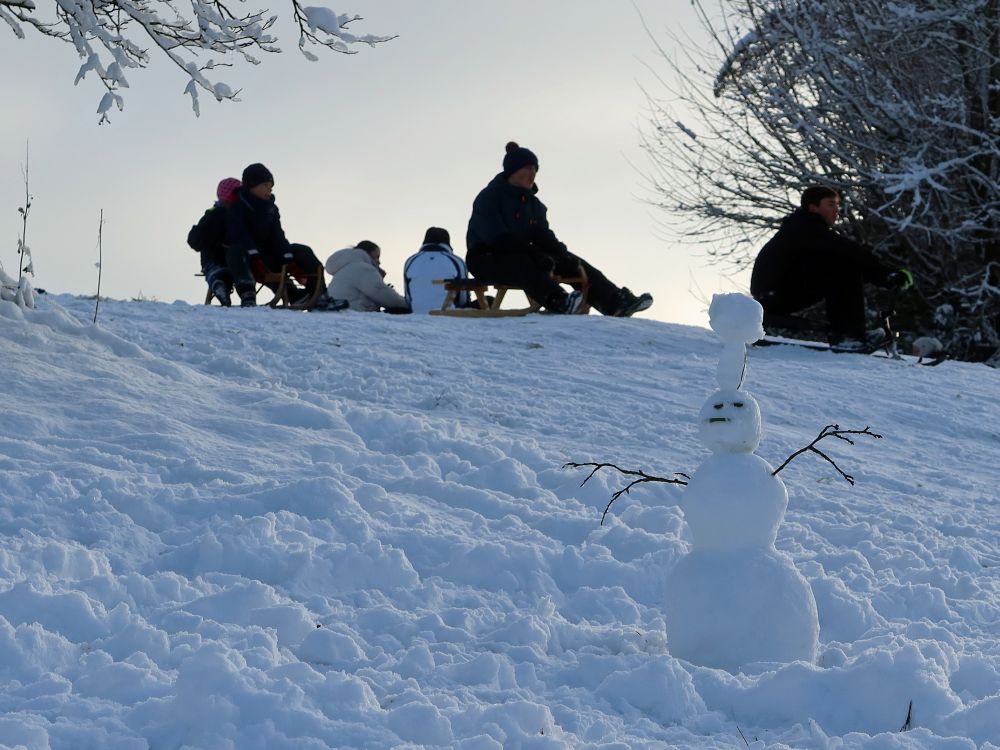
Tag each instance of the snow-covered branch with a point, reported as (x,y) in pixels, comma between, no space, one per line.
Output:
(895,104)
(114,36)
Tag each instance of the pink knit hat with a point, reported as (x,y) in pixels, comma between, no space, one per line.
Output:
(226,192)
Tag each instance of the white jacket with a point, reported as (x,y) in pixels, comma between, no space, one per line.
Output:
(358,280)
(432,262)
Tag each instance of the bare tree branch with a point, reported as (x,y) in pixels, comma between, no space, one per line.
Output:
(643,477)
(834,431)
(894,104)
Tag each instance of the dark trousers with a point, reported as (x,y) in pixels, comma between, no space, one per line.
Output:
(228,266)
(839,286)
(532,271)
(299,259)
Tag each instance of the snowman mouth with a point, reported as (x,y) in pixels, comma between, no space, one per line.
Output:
(718,419)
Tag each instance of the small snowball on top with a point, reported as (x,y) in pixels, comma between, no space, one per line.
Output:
(736,318)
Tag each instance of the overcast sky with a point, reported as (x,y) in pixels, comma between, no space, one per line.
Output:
(378,145)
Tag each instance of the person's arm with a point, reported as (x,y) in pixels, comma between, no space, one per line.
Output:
(371,285)
(860,255)
(281,244)
(543,238)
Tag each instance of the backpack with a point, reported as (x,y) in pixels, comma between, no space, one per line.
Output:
(421,270)
(209,234)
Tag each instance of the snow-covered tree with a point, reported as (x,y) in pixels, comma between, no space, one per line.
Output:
(897,104)
(115,36)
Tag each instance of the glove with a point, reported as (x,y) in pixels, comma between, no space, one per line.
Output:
(901,279)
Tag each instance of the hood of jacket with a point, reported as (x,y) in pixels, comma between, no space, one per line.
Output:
(441,247)
(343,258)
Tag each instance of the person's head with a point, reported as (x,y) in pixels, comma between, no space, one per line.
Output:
(822,200)
(226,191)
(373,250)
(520,166)
(258,180)
(437,236)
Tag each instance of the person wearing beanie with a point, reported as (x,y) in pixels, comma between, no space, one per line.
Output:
(356,276)
(257,174)
(509,242)
(434,260)
(222,267)
(226,190)
(254,230)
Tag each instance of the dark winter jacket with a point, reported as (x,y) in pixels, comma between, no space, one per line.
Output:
(208,236)
(254,228)
(804,245)
(510,219)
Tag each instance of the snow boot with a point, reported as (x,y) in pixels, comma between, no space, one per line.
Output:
(629,304)
(221,292)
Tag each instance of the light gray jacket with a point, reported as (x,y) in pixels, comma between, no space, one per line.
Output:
(357,279)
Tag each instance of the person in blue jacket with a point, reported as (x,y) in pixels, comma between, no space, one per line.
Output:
(509,242)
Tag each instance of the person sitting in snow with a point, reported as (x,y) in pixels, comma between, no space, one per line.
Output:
(807,261)
(434,260)
(509,242)
(254,229)
(221,266)
(357,277)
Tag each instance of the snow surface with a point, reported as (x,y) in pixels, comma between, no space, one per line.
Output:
(228,528)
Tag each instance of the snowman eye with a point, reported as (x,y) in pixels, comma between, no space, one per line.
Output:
(738,404)
(717,406)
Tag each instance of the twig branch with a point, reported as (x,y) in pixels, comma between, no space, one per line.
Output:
(908,724)
(100,265)
(643,477)
(831,430)
(24,264)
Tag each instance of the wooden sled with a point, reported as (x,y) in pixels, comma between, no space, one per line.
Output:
(487,308)
(282,284)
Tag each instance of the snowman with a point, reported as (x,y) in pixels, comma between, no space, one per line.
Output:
(734,600)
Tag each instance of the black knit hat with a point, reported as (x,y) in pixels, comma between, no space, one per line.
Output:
(516,158)
(256,174)
(437,236)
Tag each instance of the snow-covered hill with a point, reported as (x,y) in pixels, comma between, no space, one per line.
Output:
(263,529)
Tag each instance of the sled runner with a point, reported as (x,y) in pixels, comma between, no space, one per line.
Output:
(490,308)
(879,350)
(885,347)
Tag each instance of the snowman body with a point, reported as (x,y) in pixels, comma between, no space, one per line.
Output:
(734,600)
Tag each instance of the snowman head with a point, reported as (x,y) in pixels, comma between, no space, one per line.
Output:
(729,422)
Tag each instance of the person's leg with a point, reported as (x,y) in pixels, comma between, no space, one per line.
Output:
(242,275)
(602,294)
(530,271)
(815,278)
(304,261)
(845,302)
(217,276)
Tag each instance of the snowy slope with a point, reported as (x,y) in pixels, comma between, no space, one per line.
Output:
(264,529)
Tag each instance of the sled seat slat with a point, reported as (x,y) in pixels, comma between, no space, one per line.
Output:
(487,308)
